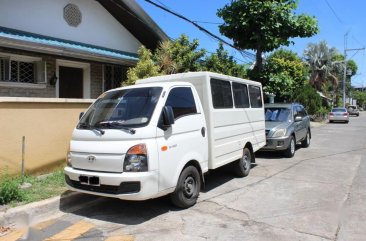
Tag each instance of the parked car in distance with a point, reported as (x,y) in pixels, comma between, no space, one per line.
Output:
(339,114)
(286,125)
(353,110)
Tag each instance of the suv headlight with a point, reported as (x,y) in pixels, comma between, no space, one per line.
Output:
(136,159)
(279,133)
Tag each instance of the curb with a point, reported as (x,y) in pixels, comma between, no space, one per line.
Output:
(33,213)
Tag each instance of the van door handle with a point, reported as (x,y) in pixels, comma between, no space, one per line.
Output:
(203,131)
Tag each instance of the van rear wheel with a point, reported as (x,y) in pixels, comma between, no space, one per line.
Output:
(188,188)
(243,165)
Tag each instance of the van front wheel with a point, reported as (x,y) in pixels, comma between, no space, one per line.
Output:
(187,189)
(242,166)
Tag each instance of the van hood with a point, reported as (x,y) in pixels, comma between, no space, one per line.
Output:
(113,141)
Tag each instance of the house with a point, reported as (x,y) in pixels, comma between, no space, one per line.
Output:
(70,48)
(56,57)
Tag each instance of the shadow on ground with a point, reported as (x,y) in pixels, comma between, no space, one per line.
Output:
(133,212)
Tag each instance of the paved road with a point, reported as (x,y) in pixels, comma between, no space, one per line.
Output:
(320,194)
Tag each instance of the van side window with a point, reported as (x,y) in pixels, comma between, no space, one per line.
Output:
(255,96)
(182,102)
(241,98)
(221,94)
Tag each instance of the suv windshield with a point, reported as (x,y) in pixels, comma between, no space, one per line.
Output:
(121,108)
(277,114)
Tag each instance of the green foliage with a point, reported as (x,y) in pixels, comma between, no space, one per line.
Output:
(179,56)
(264,25)
(325,65)
(9,190)
(46,187)
(222,62)
(284,72)
(309,98)
(351,64)
(144,68)
(360,97)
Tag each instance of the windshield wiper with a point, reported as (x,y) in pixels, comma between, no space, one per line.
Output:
(87,126)
(118,124)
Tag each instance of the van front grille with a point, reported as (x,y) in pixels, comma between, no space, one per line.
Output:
(123,188)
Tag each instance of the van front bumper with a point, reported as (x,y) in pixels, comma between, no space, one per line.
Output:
(277,144)
(127,185)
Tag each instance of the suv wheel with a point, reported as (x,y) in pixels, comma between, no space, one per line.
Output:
(306,142)
(290,151)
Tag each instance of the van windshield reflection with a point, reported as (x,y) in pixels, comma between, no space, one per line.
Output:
(122,109)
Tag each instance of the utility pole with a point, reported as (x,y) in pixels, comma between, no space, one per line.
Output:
(345,66)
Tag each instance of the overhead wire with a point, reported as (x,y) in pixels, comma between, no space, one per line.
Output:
(244,53)
(335,14)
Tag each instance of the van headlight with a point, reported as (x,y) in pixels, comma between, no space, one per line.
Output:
(136,159)
(279,132)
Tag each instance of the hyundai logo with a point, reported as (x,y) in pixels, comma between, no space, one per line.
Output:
(91,158)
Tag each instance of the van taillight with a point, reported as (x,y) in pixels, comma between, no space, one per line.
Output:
(331,113)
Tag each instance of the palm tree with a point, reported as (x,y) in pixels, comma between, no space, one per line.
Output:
(319,57)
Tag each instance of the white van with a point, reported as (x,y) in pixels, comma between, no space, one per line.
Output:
(162,134)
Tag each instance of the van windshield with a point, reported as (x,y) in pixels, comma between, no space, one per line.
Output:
(122,108)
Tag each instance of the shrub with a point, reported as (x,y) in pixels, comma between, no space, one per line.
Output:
(9,190)
(309,98)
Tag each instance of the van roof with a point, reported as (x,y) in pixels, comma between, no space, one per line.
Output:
(166,78)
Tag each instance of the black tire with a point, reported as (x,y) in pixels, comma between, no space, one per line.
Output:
(243,165)
(347,122)
(290,151)
(330,121)
(188,188)
(306,142)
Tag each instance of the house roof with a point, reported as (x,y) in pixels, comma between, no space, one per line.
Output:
(127,12)
(15,38)
(135,20)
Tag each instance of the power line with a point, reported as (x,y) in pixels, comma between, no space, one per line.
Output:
(335,14)
(244,53)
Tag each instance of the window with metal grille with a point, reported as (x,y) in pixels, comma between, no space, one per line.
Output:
(4,69)
(21,72)
(114,75)
(22,69)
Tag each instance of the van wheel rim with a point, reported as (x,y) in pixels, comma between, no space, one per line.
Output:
(189,186)
(308,138)
(246,162)
(292,146)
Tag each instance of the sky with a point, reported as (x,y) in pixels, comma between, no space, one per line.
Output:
(336,19)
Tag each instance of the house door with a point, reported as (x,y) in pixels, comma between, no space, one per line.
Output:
(70,82)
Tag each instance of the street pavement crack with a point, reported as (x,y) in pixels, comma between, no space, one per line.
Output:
(346,200)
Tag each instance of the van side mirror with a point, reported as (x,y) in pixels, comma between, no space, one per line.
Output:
(81,115)
(168,117)
(298,118)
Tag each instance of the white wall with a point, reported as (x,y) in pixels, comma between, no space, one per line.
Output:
(45,17)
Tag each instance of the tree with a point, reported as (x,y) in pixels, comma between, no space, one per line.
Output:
(171,57)
(360,97)
(284,72)
(179,56)
(264,25)
(144,68)
(320,60)
(222,62)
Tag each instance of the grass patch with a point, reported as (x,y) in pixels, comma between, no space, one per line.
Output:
(42,188)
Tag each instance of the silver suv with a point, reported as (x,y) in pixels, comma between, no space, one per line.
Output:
(352,110)
(286,125)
